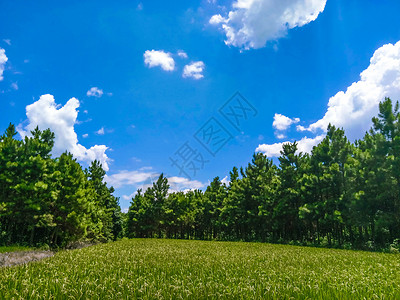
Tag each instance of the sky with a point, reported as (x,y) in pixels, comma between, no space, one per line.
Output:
(193,88)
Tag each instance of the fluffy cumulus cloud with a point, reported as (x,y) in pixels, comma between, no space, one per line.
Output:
(251,23)
(305,145)
(353,109)
(3,60)
(94,92)
(45,113)
(194,70)
(282,122)
(155,58)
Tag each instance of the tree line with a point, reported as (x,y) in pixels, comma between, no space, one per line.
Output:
(342,194)
(52,201)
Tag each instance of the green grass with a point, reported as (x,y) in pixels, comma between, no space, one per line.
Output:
(178,269)
(4,249)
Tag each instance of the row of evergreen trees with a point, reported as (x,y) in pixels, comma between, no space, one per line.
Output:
(52,201)
(342,194)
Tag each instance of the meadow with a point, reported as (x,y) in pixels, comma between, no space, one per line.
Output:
(182,269)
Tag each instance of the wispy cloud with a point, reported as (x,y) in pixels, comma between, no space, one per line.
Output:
(182,54)
(94,92)
(100,131)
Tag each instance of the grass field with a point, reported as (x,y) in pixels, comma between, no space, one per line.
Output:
(176,269)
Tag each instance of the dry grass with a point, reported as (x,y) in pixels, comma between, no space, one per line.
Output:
(9,259)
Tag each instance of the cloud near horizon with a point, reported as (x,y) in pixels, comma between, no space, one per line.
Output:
(354,108)
(144,178)
(46,113)
(304,145)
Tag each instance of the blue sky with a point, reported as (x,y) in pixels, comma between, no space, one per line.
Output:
(129,83)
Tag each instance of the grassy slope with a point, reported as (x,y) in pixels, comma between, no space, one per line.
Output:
(195,269)
(14,248)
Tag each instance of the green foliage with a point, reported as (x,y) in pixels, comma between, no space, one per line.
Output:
(341,195)
(177,269)
(46,201)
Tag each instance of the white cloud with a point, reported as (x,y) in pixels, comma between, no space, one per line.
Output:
(85,135)
(7,41)
(154,58)
(100,131)
(301,128)
(305,145)
(217,19)
(194,70)
(3,60)
(225,180)
(98,152)
(45,113)
(14,86)
(280,136)
(125,177)
(354,108)
(251,23)
(184,184)
(282,122)
(182,54)
(94,92)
